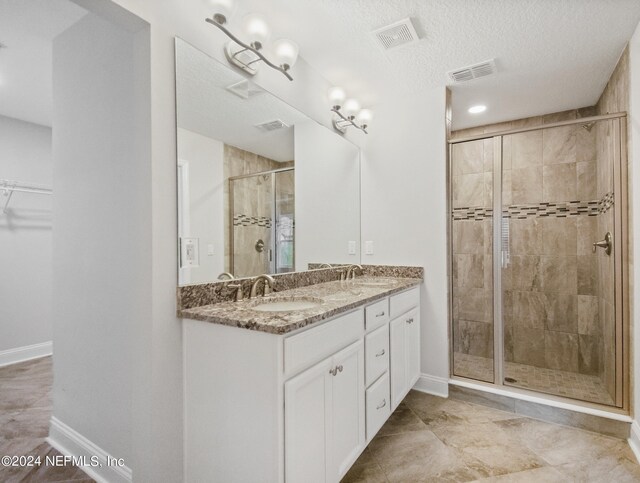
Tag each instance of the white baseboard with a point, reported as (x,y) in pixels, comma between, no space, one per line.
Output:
(634,439)
(26,353)
(437,386)
(71,443)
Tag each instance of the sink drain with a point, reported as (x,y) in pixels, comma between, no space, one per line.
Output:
(510,380)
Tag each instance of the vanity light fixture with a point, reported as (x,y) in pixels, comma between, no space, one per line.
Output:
(347,112)
(477,109)
(247,55)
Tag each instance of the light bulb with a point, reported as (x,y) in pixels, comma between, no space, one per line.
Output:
(351,106)
(286,51)
(365,116)
(477,109)
(256,29)
(222,10)
(337,96)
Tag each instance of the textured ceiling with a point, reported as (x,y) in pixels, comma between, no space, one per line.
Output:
(202,96)
(551,55)
(27,28)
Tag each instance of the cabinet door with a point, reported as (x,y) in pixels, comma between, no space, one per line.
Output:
(397,356)
(412,346)
(346,438)
(307,416)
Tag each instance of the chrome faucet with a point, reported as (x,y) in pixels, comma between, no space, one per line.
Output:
(269,282)
(351,271)
(226,275)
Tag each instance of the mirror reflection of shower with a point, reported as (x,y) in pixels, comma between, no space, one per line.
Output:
(262,216)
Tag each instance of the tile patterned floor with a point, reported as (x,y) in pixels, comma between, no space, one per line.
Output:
(431,439)
(25,409)
(549,381)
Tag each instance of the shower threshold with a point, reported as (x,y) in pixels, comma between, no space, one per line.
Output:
(549,381)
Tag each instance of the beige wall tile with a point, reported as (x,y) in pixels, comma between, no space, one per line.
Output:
(559,182)
(526,149)
(588,323)
(561,351)
(526,185)
(562,312)
(559,236)
(559,274)
(559,145)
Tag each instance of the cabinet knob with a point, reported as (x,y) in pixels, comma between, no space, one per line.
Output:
(380,314)
(410,321)
(384,403)
(381,353)
(335,370)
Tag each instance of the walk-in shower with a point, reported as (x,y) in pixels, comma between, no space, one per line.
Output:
(538,230)
(262,222)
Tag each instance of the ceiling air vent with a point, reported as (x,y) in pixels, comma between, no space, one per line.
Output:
(475,71)
(245,89)
(272,125)
(396,34)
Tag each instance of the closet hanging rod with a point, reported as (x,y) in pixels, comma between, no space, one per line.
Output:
(8,187)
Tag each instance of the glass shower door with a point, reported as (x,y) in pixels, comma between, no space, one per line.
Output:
(284,228)
(251,230)
(558,288)
(471,172)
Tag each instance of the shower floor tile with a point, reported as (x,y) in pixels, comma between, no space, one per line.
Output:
(560,383)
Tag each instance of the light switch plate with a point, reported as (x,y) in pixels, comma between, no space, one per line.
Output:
(352,248)
(189,252)
(368,248)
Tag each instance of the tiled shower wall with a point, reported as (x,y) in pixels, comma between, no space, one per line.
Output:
(252,199)
(615,98)
(550,297)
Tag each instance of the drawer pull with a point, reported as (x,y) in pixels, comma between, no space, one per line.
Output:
(410,321)
(381,353)
(384,403)
(339,368)
(380,314)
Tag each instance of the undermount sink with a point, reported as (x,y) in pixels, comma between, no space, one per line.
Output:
(286,304)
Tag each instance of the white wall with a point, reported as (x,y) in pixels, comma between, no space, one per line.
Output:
(102,239)
(205,159)
(327,196)
(25,236)
(404,209)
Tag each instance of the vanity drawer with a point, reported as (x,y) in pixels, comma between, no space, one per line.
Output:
(404,301)
(311,346)
(377,314)
(378,405)
(376,347)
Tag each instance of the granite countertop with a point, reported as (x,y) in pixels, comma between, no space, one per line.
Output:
(334,298)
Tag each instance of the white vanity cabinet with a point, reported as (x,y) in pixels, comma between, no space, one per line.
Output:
(324,417)
(298,407)
(404,336)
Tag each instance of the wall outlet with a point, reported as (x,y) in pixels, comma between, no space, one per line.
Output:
(368,248)
(210,250)
(352,248)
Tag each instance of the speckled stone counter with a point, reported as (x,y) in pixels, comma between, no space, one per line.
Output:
(333,297)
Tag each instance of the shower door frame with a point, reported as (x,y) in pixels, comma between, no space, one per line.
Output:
(273,172)
(621,268)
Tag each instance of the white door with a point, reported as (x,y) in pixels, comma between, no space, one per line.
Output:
(412,346)
(346,433)
(306,419)
(397,362)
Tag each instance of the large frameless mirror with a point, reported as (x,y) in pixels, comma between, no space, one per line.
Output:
(262,188)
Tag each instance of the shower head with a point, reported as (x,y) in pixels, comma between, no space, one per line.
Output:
(588,126)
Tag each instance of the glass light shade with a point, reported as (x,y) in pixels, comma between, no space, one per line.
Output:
(286,51)
(225,8)
(351,106)
(337,96)
(256,29)
(365,116)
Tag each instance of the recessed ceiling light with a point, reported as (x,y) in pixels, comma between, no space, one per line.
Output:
(477,109)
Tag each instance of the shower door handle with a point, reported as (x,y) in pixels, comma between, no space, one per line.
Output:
(606,244)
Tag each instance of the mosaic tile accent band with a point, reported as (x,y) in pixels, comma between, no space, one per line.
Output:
(244,220)
(544,209)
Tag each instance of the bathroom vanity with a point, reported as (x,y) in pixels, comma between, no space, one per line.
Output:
(296,395)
